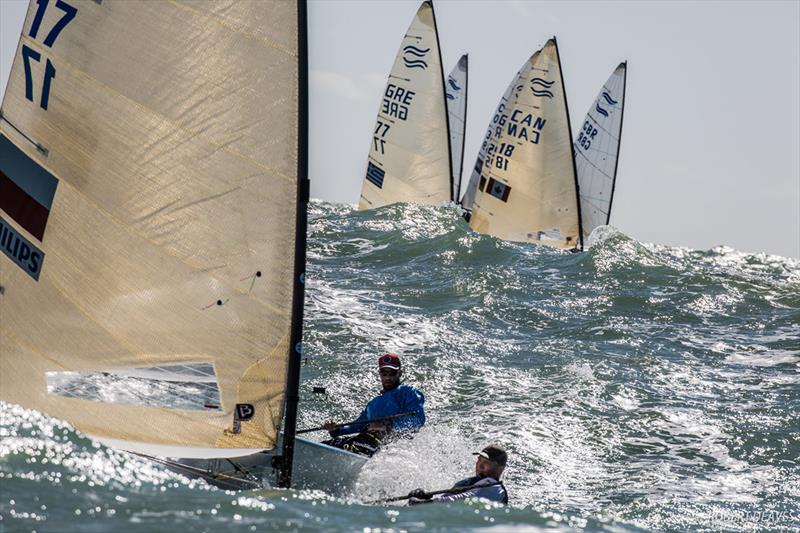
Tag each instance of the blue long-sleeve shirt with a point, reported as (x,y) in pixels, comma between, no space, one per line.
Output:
(401,399)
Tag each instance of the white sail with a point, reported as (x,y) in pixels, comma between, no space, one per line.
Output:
(456,92)
(409,155)
(499,118)
(597,152)
(529,191)
(149,155)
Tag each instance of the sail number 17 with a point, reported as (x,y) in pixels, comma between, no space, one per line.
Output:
(29,54)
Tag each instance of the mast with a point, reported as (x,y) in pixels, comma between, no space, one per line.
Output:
(457,198)
(624,64)
(571,147)
(298,293)
(444,97)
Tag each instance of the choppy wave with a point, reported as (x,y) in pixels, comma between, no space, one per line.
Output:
(636,387)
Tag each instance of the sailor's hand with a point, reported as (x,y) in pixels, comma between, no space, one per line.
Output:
(420,494)
(378,427)
(329,426)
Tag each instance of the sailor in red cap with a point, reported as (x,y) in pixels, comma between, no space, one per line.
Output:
(398,409)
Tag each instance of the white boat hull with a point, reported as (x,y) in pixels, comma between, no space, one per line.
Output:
(316,466)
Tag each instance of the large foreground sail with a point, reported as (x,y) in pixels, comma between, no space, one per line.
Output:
(493,131)
(153,220)
(528,193)
(456,92)
(597,151)
(409,155)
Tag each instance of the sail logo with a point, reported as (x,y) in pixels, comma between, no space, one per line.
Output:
(242,413)
(414,57)
(20,250)
(453,85)
(245,411)
(607,98)
(541,87)
(610,101)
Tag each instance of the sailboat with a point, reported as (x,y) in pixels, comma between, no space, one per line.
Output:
(597,151)
(409,156)
(153,161)
(499,119)
(456,93)
(529,190)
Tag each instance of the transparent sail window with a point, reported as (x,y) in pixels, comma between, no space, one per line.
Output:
(188,386)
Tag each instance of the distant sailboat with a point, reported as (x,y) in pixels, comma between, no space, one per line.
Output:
(456,92)
(153,224)
(597,151)
(493,131)
(529,190)
(409,156)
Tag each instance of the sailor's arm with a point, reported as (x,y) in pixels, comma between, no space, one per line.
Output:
(355,427)
(492,492)
(413,401)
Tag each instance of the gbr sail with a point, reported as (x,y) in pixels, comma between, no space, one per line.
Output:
(153,220)
(409,154)
(529,190)
(456,92)
(597,151)
(499,118)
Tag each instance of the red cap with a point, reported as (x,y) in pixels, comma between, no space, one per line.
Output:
(389,360)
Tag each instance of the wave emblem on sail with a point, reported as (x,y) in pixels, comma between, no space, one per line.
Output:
(414,57)
(597,152)
(409,157)
(452,88)
(610,101)
(154,226)
(527,191)
(541,87)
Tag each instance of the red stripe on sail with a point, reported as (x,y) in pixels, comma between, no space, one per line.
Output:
(20,206)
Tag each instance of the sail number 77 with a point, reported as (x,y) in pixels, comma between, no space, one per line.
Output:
(29,54)
(379,140)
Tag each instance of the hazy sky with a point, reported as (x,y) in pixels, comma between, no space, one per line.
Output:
(711,141)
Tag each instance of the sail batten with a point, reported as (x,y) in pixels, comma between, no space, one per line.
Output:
(171,243)
(409,158)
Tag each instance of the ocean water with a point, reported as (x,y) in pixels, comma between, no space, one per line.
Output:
(636,387)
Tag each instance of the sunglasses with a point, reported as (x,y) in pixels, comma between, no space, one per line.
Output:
(387,372)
